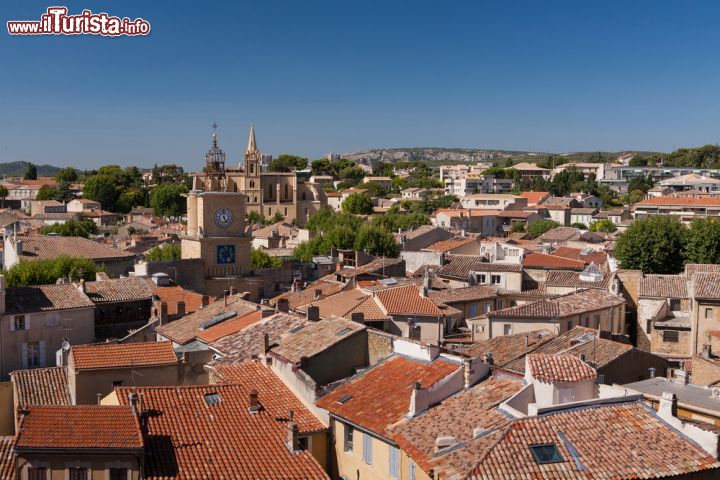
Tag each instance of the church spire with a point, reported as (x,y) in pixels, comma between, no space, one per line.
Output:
(252,145)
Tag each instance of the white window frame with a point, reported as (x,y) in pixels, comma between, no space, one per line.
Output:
(394,462)
(367,449)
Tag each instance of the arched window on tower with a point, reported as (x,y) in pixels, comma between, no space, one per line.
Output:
(286,192)
(252,168)
(252,183)
(270,188)
(303,195)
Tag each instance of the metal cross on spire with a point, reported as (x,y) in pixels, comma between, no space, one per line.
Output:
(214,125)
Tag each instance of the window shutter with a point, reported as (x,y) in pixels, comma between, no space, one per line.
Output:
(23,355)
(42,354)
(412,470)
(367,448)
(394,460)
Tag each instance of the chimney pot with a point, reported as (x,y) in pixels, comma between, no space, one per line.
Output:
(652,372)
(254,406)
(163,313)
(358,317)
(225,296)
(205,300)
(264,344)
(180,309)
(318,293)
(283,305)
(313,313)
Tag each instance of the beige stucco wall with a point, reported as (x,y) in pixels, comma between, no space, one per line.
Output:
(351,464)
(611,319)
(7,409)
(99,464)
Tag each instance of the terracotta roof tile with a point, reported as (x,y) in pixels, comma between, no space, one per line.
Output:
(508,347)
(407,300)
(273,394)
(307,295)
(466,294)
(223,440)
(380,395)
(374,267)
(118,290)
(44,298)
(174,294)
(228,327)
(692,268)
(122,355)
(7,458)
(314,338)
(707,285)
(570,278)
(79,427)
(337,305)
(541,260)
(617,441)
(183,331)
(664,286)
(449,244)
(600,258)
(559,368)
(563,305)
(534,198)
(41,386)
(243,345)
(370,309)
(689,201)
(43,247)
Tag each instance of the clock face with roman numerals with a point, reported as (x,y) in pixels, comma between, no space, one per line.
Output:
(223,217)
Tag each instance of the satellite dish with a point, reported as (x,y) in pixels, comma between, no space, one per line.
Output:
(65,345)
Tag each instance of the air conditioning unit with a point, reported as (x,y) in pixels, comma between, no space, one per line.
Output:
(715,392)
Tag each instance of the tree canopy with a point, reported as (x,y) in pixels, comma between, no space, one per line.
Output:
(169,251)
(44,272)
(117,189)
(168,200)
(541,226)
(603,225)
(653,245)
(46,192)
(287,163)
(703,241)
(358,203)
(260,259)
(30,172)
(68,175)
(72,228)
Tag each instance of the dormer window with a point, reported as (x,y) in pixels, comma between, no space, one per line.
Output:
(212,398)
(547,453)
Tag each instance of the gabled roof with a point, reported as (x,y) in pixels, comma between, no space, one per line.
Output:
(45,298)
(663,286)
(559,368)
(118,290)
(707,285)
(315,338)
(380,395)
(577,341)
(7,458)
(44,247)
(173,294)
(241,346)
(122,355)
(544,261)
(508,347)
(407,300)
(339,304)
(460,266)
(86,427)
(692,268)
(449,244)
(620,441)
(222,440)
(458,416)
(41,386)
(570,278)
(374,267)
(307,295)
(281,228)
(183,331)
(455,295)
(562,305)
(229,327)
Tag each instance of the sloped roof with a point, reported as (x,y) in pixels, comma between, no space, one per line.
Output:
(339,304)
(406,300)
(508,347)
(223,440)
(466,294)
(570,278)
(118,290)
(544,261)
(7,458)
(87,427)
(664,286)
(534,198)
(122,355)
(44,247)
(562,305)
(315,338)
(44,298)
(613,441)
(380,395)
(460,266)
(449,244)
(307,295)
(374,267)
(41,386)
(707,285)
(229,327)
(175,293)
(559,368)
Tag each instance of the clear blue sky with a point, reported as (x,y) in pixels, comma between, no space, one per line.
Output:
(320,76)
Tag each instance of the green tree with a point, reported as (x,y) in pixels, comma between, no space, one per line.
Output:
(260,259)
(376,241)
(287,163)
(321,166)
(579,225)
(255,218)
(703,241)
(72,228)
(603,225)
(641,183)
(30,172)
(376,189)
(653,245)
(358,203)
(44,272)
(517,227)
(168,251)
(278,217)
(67,175)
(46,192)
(168,199)
(541,226)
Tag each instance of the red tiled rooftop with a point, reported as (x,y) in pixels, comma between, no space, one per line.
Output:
(534,198)
(229,327)
(541,260)
(7,458)
(559,368)
(122,355)
(41,386)
(381,394)
(407,300)
(449,244)
(224,440)
(695,201)
(173,294)
(79,427)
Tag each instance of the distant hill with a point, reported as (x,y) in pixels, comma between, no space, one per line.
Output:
(437,156)
(17,169)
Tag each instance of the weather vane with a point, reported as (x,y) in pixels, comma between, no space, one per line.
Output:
(214,125)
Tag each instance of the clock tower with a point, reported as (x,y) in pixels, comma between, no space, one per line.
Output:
(216,225)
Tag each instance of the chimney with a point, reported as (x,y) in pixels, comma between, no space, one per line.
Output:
(489,358)
(358,317)
(668,405)
(467,372)
(283,305)
(254,405)
(313,313)
(233,291)
(180,309)
(424,292)
(266,312)
(226,292)
(651,370)
(82,285)
(582,357)
(264,344)
(318,293)
(163,313)
(134,400)
(293,440)
(706,351)
(444,442)
(205,300)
